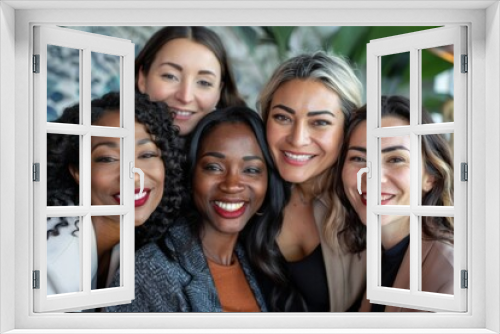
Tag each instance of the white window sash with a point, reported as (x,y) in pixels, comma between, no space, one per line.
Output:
(412,43)
(86,43)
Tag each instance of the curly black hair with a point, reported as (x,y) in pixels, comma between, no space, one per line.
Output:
(63,152)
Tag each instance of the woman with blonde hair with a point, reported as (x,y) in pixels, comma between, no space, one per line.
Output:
(306,106)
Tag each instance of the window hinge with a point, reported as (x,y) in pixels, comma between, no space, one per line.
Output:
(36,172)
(465,279)
(36,63)
(36,279)
(465,64)
(464,171)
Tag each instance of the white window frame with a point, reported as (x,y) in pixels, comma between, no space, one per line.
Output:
(413,44)
(483,20)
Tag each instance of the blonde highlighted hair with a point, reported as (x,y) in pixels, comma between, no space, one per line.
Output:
(336,74)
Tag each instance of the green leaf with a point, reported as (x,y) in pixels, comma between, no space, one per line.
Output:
(281,37)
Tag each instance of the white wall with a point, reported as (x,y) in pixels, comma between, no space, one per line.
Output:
(492,153)
(7,165)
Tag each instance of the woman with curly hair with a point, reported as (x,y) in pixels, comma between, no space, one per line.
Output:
(187,68)
(157,155)
(201,265)
(437,190)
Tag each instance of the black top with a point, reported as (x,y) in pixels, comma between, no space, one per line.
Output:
(308,276)
(391,261)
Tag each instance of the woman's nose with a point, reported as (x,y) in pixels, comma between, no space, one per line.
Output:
(184,92)
(299,135)
(232,183)
(384,174)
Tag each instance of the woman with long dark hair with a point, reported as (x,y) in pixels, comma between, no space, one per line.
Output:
(437,190)
(201,265)
(187,68)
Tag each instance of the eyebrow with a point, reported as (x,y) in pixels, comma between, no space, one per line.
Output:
(213,154)
(110,144)
(179,68)
(252,157)
(310,113)
(395,148)
(222,156)
(358,148)
(144,141)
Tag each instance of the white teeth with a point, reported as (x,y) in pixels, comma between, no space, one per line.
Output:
(230,207)
(140,196)
(182,113)
(298,157)
(382,197)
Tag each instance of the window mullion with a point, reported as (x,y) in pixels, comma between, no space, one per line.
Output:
(85,172)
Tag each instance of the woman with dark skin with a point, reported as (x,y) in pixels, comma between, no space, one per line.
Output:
(187,68)
(201,265)
(157,154)
(437,190)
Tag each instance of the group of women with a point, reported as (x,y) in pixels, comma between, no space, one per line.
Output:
(248,211)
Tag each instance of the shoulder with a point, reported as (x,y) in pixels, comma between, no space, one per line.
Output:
(437,267)
(439,252)
(153,265)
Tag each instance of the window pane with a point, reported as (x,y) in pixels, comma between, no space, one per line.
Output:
(63,155)
(106,258)
(395,171)
(437,83)
(395,256)
(63,255)
(437,254)
(395,77)
(63,81)
(437,172)
(105,75)
(105,167)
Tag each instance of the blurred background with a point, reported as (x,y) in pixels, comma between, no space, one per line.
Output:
(255,52)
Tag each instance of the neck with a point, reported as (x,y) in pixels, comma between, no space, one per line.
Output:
(393,233)
(218,247)
(107,233)
(311,188)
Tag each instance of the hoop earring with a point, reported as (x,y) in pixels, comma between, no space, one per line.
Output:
(259,213)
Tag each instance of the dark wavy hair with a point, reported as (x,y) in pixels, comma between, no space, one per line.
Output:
(259,234)
(63,152)
(438,162)
(204,36)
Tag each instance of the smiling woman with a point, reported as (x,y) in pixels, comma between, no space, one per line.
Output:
(436,189)
(188,68)
(200,265)
(306,106)
(156,147)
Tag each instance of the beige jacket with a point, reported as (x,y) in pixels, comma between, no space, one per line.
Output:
(437,273)
(345,271)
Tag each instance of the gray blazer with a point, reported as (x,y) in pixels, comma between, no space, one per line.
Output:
(183,284)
